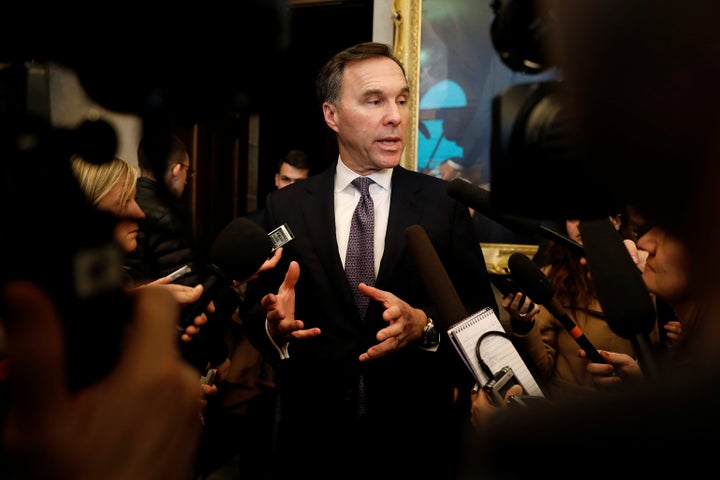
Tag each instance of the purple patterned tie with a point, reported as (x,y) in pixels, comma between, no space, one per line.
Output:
(360,261)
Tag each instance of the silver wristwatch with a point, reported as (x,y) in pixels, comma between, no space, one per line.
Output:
(430,335)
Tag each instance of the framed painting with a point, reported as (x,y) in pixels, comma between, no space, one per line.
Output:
(454,73)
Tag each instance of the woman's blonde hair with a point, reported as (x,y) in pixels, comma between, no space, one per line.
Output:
(96,180)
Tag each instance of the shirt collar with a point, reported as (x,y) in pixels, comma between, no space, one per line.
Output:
(344,176)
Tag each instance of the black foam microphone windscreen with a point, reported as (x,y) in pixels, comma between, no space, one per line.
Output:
(241,248)
(479,199)
(624,297)
(440,288)
(237,253)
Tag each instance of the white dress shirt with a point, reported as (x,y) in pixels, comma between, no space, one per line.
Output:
(346,199)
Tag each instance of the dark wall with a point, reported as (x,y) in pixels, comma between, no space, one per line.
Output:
(295,118)
(290,117)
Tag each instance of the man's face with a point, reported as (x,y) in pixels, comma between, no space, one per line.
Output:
(177,177)
(289,174)
(372,116)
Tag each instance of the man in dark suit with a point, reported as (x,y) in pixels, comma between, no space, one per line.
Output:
(376,394)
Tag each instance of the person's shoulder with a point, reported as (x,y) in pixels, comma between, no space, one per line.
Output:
(403,176)
(414,175)
(311,183)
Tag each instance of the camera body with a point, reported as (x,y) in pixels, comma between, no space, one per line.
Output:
(497,387)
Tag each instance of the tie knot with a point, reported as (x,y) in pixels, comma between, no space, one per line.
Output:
(363,184)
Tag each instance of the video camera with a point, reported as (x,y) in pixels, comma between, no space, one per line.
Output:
(534,145)
(128,61)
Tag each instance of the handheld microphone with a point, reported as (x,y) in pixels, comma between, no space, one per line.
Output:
(450,309)
(537,285)
(237,252)
(479,199)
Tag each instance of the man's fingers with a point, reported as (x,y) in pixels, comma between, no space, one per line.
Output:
(292,275)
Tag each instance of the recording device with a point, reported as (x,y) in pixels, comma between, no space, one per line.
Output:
(506,286)
(479,199)
(280,236)
(209,377)
(497,387)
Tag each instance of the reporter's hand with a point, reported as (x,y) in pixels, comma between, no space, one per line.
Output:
(482,407)
(603,374)
(638,255)
(673,331)
(518,306)
(185,295)
(223,369)
(140,421)
(268,264)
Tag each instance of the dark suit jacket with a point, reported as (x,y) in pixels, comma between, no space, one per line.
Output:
(412,389)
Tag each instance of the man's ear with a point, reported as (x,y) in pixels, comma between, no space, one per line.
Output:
(329,111)
(175,170)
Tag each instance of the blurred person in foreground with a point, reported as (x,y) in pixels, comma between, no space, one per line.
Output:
(653,137)
(139,421)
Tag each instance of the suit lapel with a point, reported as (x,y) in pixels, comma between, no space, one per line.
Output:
(405,209)
(319,214)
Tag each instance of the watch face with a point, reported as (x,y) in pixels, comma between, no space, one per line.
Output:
(430,335)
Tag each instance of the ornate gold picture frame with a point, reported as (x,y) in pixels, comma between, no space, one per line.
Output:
(407,21)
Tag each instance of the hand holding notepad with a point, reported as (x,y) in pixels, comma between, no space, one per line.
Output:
(497,351)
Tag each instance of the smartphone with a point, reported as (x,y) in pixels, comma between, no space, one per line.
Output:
(179,272)
(505,285)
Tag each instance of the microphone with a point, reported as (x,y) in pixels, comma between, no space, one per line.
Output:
(479,199)
(237,252)
(622,292)
(449,308)
(537,285)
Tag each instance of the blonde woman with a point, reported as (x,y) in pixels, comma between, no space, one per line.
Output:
(110,187)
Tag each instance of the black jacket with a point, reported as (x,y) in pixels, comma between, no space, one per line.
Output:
(166,240)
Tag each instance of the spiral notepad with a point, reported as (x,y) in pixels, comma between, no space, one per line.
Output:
(497,351)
